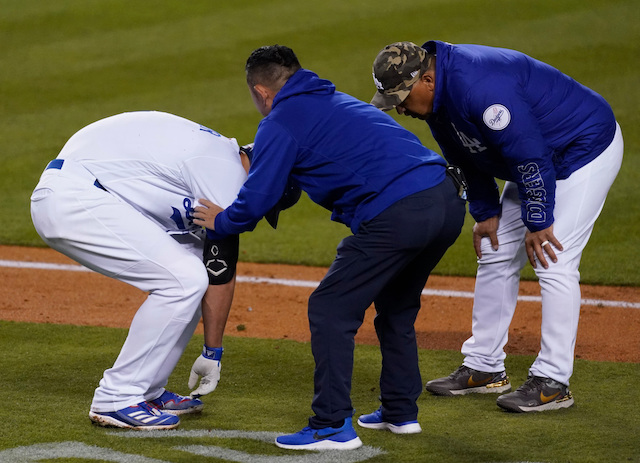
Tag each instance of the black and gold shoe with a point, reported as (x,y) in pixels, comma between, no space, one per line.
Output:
(537,394)
(466,380)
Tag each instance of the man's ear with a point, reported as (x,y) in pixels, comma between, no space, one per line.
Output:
(429,78)
(262,90)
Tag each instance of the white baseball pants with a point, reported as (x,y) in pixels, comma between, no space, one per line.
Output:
(579,201)
(109,236)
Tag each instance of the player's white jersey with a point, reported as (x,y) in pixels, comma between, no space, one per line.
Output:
(160,164)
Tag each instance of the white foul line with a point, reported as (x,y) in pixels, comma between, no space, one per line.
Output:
(314,284)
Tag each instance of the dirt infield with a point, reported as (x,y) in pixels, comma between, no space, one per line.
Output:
(274,311)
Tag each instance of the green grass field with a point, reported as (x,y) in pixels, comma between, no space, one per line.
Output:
(49,378)
(67,63)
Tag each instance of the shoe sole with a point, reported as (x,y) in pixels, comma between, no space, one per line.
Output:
(324,445)
(413,428)
(110,422)
(555,405)
(495,388)
(196,409)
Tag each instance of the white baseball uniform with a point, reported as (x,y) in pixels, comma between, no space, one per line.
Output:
(118,199)
(579,201)
(558,146)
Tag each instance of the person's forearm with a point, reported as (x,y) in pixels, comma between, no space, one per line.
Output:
(216,305)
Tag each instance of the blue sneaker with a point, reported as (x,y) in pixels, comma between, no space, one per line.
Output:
(342,438)
(140,417)
(375,421)
(176,404)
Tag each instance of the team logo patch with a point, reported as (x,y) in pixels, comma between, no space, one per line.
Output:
(496,117)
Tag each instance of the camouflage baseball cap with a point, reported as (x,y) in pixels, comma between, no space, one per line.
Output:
(396,68)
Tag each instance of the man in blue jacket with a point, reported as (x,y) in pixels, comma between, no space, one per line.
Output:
(498,113)
(395,196)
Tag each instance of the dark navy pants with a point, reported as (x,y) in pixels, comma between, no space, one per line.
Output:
(387,262)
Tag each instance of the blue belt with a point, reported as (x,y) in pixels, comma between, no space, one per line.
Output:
(57,164)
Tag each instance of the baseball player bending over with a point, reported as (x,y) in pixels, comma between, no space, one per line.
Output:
(498,113)
(119,200)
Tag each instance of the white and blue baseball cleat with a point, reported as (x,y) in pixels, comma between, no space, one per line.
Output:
(142,416)
(342,438)
(176,404)
(375,421)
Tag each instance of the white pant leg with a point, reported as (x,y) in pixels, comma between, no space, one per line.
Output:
(195,245)
(579,201)
(496,288)
(158,383)
(110,237)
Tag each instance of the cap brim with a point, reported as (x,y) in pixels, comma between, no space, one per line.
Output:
(388,101)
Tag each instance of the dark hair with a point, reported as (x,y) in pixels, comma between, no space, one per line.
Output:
(271,65)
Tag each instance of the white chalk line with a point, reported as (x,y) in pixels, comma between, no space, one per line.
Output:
(314,284)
